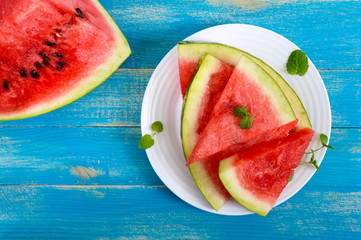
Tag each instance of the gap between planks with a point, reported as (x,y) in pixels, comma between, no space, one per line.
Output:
(79,186)
(152,69)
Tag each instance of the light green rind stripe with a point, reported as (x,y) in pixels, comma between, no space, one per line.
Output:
(207,66)
(228,176)
(103,71)
(193,51)
(206,186)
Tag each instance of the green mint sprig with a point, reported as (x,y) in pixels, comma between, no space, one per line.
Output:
(247,119)
(297,63)
(313,161)
(147,140)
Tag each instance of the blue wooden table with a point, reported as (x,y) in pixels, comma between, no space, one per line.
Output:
(77,172)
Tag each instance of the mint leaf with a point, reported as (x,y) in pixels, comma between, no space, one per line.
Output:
(247,119)
(246,122)
(157,127)
(315,164)
(328,146)
(323,139)
(146,142)
(240,112)
(297,63)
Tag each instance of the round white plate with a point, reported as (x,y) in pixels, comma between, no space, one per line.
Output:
(163,102)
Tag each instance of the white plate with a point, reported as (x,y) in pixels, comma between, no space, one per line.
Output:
(163,102)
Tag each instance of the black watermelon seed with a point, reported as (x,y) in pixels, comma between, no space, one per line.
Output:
(46,61)
(34,74)
(50,43)
(6,84)
(57,55)
(78,10)
(80,13)
(23,73)
(60,65)
(42,54)
(38,65)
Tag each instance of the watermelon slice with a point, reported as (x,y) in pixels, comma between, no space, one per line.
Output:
(189,54)
(256,178)
(203,93)
(251,87)
(54,52)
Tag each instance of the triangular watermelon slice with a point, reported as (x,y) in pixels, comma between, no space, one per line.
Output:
(251,87)
(256,178)
(189,54)
(203,93)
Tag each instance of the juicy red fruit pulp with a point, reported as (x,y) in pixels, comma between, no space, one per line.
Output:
(265,169)
(45,48)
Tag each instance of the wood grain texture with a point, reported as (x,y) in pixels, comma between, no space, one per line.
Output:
(327,31)
(118,102)
(77,172)
(50,155)
(155,213)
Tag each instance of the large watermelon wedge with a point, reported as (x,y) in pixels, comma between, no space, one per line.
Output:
(256,178)
(54,52)
(251,87)
(189,54)
(203,93)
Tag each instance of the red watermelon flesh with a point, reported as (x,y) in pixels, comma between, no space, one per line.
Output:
(204,91)
(256,177)
(53,52)
(251,87)
(186,71)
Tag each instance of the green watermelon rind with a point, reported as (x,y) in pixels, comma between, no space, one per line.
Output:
(231,55)
(194,92)
(102,73)
(227,174)
(195,88)
(202,181)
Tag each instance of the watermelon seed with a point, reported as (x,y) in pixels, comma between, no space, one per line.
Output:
(23,73)
(60,65)
(51,44)
(46,58)
(38,65)
(57,55)
(6,84)
(81,14)
(57,35)
(46,61)
(34,74)
(78,10)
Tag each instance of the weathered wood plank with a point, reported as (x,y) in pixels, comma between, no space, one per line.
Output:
(73,156)
(329,36)
(58,212)
(118,102)
(110,156)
